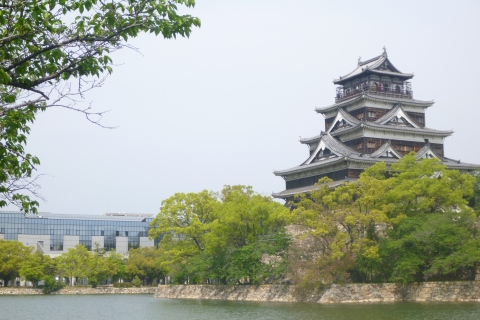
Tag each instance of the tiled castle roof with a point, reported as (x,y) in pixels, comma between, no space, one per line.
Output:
(374,66)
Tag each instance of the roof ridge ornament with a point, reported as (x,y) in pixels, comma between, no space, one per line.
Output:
(359,60)
(384,52)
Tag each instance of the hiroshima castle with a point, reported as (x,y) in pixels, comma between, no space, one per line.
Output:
(374,118)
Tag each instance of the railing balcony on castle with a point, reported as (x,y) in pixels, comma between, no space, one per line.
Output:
(398,92)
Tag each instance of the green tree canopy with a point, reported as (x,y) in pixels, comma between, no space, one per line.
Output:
(114,265)
(390,225)
(144,263)
(220,237)
(13,255)
(438,246)
(75,263)
(37,267)
(45,46)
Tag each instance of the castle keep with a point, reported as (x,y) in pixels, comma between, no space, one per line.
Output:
(374,118)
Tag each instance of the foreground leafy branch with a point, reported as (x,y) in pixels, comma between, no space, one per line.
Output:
(54,51)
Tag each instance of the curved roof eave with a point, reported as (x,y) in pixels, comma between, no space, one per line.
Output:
(411,102)
(457,164)
(370,125)
(312,165)
(291,192)
(310,140)
(370,66)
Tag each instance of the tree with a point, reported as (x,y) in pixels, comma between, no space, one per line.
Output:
(183,222)
(75,263)
(51,53)
(438,246)
(37,267)
(96,266)
(475,199)
(13,255)
(186,217)
(427,186)
(248,226)
(143,263)
(114,265)
(357,229)
(220,236)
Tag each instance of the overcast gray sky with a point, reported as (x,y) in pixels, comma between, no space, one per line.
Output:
(228,105)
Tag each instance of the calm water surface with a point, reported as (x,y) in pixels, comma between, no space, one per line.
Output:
(133,307)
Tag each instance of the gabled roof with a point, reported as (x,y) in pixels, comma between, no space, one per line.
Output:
(339,153)
(426,153)
(386,151)
(343,117)
(375,98)
(397,116)
(336,149)
(379,65)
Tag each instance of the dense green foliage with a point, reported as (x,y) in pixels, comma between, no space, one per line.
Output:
(53,51)
(222,238)
(13,255)
(410,224)
(140,266)
(51,285)
(415,225)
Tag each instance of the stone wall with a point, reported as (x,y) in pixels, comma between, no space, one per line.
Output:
(106,290)
(16,290)
(348,293)
(80,290)
(218,292)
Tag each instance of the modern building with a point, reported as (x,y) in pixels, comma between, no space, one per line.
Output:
(54,234)
(374,118)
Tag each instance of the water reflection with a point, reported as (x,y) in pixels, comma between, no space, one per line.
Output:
(133,307)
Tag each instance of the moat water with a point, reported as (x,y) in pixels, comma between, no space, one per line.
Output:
(135,307)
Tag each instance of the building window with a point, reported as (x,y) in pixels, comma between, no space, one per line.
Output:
(102,233)
(2,230)
(67,232)
(126,233)
(52,231)
(78,232)
(117,233)
(93,232)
